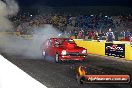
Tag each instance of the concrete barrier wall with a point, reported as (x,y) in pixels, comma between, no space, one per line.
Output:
(92,47)
(5,33)
(98,48)
(128,52)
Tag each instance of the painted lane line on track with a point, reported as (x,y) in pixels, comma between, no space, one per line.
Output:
(13,77)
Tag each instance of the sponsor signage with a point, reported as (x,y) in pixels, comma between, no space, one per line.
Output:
(117,50)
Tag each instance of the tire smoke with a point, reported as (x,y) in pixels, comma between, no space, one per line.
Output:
(7,8)
(30,48)
(16,45)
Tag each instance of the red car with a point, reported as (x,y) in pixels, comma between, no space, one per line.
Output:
(62,49)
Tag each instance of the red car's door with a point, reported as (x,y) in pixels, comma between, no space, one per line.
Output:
(51,48)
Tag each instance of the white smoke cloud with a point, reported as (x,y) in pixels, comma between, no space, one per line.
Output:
(7,8)
(14,45)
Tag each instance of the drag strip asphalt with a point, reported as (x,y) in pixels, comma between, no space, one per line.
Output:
(62,75)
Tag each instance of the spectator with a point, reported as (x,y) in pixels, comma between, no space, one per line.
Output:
(90,34)
(75,32)
(127,35)
(131,41)
(110,36)
(116,36)
(85,33)
(122,34)
(80,35)
(25,24)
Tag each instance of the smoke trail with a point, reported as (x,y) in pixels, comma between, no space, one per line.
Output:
(7,8)
(25,47)
(14,45)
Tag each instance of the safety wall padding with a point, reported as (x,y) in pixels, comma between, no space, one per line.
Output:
(92,47)
(98,48)
(128,52)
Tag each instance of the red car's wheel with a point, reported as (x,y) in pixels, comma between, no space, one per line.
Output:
(44,54)
(84,60)
(57,60)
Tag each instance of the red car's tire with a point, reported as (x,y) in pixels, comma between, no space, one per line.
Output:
(44,54)
(57,60)
(84,60)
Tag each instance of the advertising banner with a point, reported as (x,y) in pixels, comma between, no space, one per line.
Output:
(116,50)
